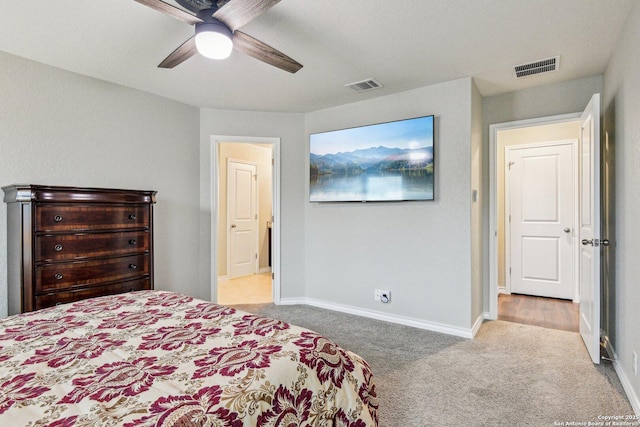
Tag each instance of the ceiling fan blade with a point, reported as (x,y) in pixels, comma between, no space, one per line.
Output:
(238,13)
(172,11)
(263,52)
(181,54)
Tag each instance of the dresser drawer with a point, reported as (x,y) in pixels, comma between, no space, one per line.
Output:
(52,277)
(90,217)
(49,300)
(74,246)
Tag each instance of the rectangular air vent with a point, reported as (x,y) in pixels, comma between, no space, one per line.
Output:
(537,67)
(364,85)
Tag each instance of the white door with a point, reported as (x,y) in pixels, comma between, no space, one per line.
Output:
(242,218)
(541,182)
(589,228)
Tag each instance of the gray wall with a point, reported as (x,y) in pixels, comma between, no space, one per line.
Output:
(60,128)
(420,251)
(478,257)
(289,127)
(621,103)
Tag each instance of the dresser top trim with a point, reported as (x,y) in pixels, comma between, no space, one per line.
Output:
(58,194)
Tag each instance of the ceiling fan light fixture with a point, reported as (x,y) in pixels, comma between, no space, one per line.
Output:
(213,40)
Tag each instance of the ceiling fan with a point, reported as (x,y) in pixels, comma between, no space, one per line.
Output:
(216,27)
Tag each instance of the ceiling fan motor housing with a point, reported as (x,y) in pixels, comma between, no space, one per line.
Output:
(213,25)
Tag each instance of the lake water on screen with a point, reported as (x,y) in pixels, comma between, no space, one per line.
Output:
(372,186)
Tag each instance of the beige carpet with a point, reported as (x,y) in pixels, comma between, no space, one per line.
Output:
(509,375)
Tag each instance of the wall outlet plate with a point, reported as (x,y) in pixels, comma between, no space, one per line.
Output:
(382,296)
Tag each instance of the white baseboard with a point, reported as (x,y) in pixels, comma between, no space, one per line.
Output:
(393,318)
(477,324)
(223,277)
(624,380)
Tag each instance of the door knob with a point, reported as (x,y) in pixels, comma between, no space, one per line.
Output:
(567,230)
(233,226)
(587,242)
(604,242)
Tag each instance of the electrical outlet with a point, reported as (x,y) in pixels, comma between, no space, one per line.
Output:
(635,363)
(382,296)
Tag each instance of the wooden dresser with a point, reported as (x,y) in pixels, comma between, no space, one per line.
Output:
(66,244)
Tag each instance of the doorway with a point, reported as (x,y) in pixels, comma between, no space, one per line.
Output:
(589,221)
(245,220)
(514,134)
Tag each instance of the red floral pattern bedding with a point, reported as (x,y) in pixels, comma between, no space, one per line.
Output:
(156,358)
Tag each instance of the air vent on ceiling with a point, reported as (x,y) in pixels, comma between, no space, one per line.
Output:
(537,67)
(364,85)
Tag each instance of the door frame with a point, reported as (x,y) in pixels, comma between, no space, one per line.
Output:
(494,130)
(216,140)
(507,198)
(256,202)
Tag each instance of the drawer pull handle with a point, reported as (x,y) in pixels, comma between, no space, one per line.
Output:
(132,216)
(58,247)
(133,266)
(58,276)
(57,218)
(132,242)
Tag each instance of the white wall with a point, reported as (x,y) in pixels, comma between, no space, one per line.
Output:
(420,251)
(60,128)
(621,102)
(289,127)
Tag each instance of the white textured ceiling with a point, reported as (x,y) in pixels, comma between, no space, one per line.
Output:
(403,44)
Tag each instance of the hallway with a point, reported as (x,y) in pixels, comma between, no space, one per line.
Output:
(253,289)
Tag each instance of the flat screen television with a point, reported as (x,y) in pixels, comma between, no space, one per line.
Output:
(384,162)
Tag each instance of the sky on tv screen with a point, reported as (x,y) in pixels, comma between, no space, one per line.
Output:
(410,133)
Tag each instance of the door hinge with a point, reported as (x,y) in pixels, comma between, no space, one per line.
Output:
(255,177)
(256,256)
(273,162)
(273,276)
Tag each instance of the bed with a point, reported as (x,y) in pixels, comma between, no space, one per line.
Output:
(155,358)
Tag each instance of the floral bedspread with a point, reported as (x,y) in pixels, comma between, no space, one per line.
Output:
(156,358)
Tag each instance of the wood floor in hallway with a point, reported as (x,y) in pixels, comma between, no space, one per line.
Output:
(538,311)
